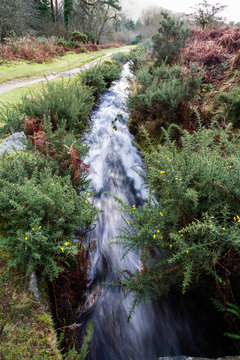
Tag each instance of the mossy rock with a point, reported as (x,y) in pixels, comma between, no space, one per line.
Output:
(107,62)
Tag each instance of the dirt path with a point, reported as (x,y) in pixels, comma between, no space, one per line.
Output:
(17,83)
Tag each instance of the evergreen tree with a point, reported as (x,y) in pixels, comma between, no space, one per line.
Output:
(68,6)
(170,38)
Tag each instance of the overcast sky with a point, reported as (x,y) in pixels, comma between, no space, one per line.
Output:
(135,7)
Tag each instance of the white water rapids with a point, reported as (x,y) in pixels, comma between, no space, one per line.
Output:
(154,330)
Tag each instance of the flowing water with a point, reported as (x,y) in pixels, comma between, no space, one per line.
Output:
(154,330)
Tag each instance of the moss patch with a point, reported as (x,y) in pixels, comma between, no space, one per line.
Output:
(26,331)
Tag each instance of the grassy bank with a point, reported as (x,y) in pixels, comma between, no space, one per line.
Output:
(15,96)
(16,70)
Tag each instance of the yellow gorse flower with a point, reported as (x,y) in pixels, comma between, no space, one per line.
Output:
(26,238)
(154,236)
(62,249)
(66,243)
(162,172)
(33,229)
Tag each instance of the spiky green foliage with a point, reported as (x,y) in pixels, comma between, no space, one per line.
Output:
(11,118)
(39,213)
(231,106)
(170,39)
(120,57)
(137,58)
(68,102)
(78,37)
(161,90)
(100,77)
(189,228)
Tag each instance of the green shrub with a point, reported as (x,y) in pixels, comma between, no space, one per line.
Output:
(111,72)
(137,39)
(91,37)
(70,44)
(120,58)
(170,39)
(76,36)
(100,77)
(63,42)
(189,228)
(231,106)
(137,59)
(93,78)
(161,91)
(147,45)
(12,119)
(55,144)
(69,103)
(39,213)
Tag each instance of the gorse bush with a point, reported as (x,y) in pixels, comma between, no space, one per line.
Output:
(111,72)
(71,103)
(231,106)
(160,91)
(78,37)
(94,79)
(63,151)
(44,191)
(12,119)
(120,57)
(137,39)
(39,213)
(189,228)
(137,58)
(169,40)
(100,77)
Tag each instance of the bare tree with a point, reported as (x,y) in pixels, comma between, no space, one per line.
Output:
(94,16)
(205,14)
(17,17)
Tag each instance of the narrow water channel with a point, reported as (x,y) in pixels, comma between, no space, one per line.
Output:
(154,330)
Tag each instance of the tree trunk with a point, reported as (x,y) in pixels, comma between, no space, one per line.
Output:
(52,11)
(56,11)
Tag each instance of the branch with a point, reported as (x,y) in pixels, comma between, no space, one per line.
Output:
(87,3)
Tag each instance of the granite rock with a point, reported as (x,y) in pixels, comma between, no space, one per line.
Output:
(12,143)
